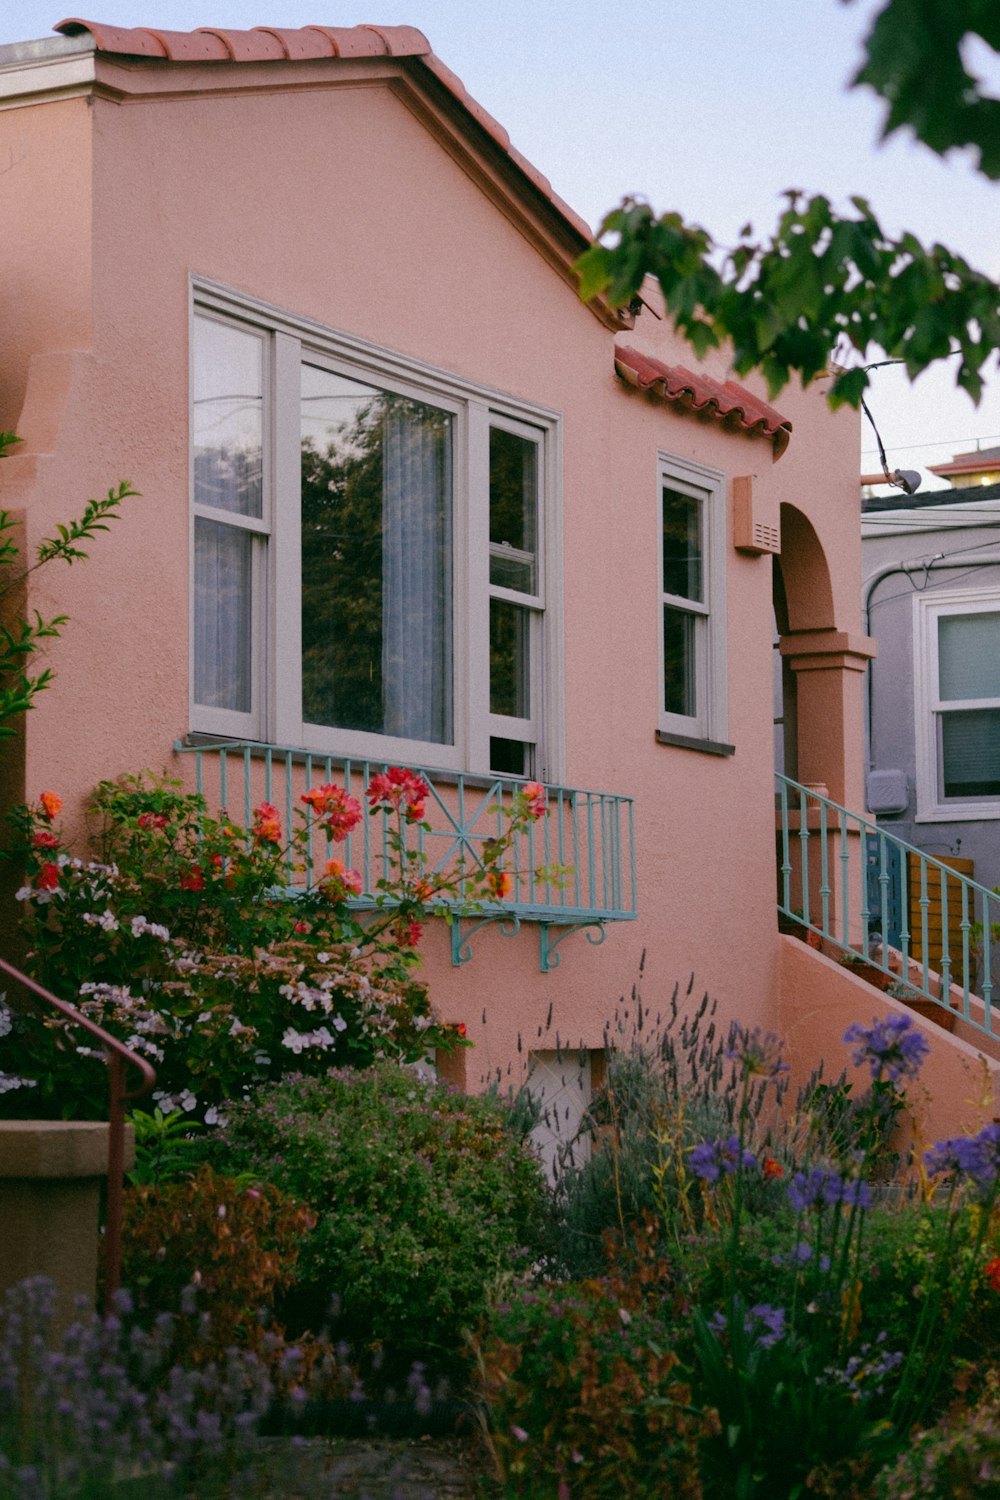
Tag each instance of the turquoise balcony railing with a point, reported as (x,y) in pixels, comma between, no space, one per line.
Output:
(588,836)
(933,931)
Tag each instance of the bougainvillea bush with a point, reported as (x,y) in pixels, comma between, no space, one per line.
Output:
(423,1198)
(186,940)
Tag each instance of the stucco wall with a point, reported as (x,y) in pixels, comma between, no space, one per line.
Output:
(339,205)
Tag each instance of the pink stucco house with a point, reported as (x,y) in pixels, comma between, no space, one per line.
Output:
(250,271)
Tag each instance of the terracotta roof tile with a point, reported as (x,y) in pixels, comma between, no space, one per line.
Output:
(278,43)
(726,401)
(131,41)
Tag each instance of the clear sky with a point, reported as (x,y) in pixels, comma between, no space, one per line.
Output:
(713,110)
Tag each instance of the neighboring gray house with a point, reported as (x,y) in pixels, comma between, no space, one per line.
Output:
(931,600)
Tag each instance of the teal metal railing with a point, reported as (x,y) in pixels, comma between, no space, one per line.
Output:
(572,870)
(882,900)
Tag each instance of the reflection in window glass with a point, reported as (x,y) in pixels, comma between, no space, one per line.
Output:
(513,510)
(509,659)
(223,610)
(682,550)
(679,695)
(376,560)
(228,418)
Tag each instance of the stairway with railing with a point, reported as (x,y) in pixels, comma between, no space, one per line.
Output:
(119,1057)
(869,895)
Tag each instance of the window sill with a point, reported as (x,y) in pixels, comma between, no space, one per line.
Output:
(691,742)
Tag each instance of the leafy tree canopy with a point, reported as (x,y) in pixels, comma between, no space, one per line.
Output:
(823,281)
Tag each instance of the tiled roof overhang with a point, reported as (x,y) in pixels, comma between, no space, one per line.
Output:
(726,402)
(214,44)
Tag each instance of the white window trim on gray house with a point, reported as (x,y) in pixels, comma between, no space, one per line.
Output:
(930,708)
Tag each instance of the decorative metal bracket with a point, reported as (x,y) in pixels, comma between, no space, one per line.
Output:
(548,958)
(508,922)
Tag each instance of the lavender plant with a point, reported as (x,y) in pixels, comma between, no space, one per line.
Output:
(81,1415)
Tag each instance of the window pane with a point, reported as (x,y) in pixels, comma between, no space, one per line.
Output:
(679,695)
(510,757)
(682,560)
(376,560)
(510,630)
(513,510)
(223,614)
(970,745)
(969,656)
(228,417)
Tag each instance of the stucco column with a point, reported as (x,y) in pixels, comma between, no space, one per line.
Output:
(50,1187)
(829,667)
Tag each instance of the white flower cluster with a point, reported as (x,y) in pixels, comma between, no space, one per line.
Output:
(170,1104)
(142,928)
(8,1081)
(106,920)
(296,1041)
(6,1019)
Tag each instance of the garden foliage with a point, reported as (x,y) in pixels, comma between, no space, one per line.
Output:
(423,1196)
(818,1309)
(206,947)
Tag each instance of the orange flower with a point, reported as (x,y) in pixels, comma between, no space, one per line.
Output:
(772,1168)
(535,800)
(51,805)
(341,811)
(266,824)
(340,882)
(460,1028)
(500,884)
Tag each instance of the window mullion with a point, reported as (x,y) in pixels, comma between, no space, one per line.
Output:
(477,592)
(285,625)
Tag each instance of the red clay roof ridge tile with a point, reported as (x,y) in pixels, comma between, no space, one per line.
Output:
(726,401)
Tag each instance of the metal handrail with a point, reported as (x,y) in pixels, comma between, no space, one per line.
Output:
(849,880)
(118,1056)
(588,833)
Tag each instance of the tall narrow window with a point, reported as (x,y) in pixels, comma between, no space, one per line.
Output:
(515,601)
(229,526)
(692,601)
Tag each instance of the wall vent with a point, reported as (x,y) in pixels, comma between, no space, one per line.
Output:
(756,525)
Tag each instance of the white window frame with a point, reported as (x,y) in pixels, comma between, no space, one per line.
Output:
(277,709)
(710,722)
(932,805)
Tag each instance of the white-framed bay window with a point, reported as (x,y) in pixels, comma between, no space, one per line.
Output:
(692,561)
(375,550)
(957,704)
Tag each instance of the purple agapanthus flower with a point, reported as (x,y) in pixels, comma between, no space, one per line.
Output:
(891,1047)
(758,1052)
(974,1157)
(710,1159)
(823,1187)
(763,1323)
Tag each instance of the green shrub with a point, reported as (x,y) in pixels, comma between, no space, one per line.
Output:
(584,1397)
(424,1196)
